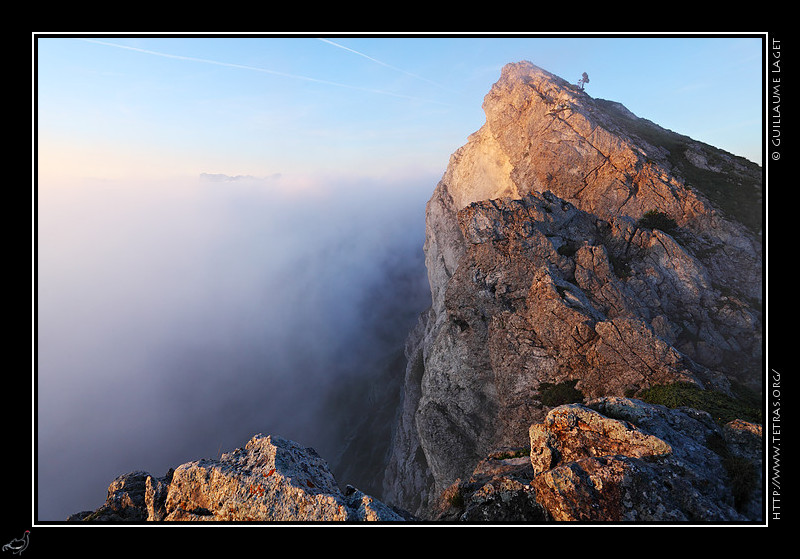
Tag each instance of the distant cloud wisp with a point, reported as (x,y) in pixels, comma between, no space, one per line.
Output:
(221,177)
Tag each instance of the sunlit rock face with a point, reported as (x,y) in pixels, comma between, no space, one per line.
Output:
(569,240)
(620,460)
(270,479)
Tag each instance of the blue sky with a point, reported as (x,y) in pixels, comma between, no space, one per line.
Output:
(353,105)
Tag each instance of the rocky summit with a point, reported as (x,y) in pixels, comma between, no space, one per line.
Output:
(592,352)
(573,247)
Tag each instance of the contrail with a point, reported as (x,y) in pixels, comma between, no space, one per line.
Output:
(375,60)
(255,69)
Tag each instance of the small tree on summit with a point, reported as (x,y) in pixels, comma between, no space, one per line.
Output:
(584,79)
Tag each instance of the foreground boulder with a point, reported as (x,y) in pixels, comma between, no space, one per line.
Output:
(617,459)
(270,479)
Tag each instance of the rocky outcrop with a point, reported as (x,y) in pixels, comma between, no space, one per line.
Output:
(617,459)
(126,500)
(271,479)
(621,460)
(571,241)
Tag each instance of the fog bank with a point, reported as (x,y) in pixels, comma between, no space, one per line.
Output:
(178,319)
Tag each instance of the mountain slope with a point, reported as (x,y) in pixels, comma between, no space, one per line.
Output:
(571,242)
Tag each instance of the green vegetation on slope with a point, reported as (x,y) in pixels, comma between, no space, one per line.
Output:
(553,395)
(737,192)
(723,408)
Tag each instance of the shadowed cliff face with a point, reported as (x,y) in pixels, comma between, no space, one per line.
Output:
(177,320)
(569,240)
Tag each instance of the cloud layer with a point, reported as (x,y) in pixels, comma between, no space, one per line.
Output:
(177,320)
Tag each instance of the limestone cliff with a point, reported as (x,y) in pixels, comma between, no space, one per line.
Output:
(570,241)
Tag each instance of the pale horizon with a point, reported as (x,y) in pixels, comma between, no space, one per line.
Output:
(142,107)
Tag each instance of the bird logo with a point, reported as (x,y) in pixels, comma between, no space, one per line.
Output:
(18,545)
